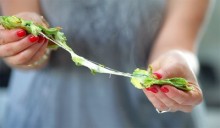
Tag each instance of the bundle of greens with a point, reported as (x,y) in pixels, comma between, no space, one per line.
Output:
(139,78)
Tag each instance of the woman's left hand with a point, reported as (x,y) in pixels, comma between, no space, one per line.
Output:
(166,97)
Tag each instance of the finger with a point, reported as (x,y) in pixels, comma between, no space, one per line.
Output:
(172,68)
(156,102)
(185,98)
(14,48)
(39,54)
(183,108)
(34,17)
(163,103)
(167,71)
(170,103)
(44,22)
(164,71)
(25,56)
(186,108)
(156,65)
(41,39)
(7,36)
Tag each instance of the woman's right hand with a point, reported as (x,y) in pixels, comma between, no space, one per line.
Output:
(20,49)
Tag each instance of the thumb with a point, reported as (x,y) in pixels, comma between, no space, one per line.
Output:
(165,71)
(36,18)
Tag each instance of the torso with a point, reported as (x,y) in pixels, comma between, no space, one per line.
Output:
(116,33)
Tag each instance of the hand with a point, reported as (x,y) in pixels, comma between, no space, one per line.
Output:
(19,49)
(174,64)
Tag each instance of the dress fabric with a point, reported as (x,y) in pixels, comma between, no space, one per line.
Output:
(116,33)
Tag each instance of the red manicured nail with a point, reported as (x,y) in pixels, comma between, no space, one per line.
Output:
(154,90)
(148,89)
(21,33)
(33,38)
(158,75)
(164,89)
(41,39)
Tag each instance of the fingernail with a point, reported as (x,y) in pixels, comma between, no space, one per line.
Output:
(33,38)
(164,89)
(21,33)
(148,89)
(152,89)
(41,39)
(158,75)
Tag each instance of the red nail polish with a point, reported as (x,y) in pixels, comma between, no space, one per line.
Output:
(164,89)
(41,39)
(21,33)
(33,38)
(148,89)
(158,75)
(154,90)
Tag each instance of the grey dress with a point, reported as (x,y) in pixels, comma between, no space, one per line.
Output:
(116,33)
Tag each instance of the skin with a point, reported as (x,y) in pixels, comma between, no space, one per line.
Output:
(173,53)
(19,52)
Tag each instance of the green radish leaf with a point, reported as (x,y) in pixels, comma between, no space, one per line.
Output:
(139,78)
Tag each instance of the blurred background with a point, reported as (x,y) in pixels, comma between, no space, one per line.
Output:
(209,57)
(209,77)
